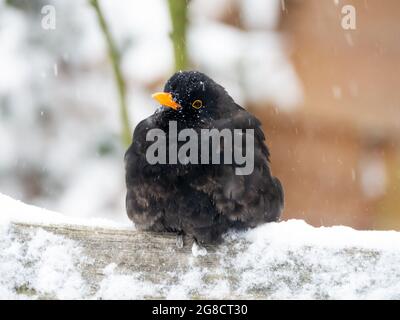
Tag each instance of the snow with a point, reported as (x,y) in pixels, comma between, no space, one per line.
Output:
(47,264)
(286,260)
(198,251)
(262,14)
(16,211)
(323,255)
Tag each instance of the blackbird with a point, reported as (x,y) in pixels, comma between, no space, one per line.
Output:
(202,200)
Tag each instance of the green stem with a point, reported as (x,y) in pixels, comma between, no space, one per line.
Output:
(178,13)
(115,58)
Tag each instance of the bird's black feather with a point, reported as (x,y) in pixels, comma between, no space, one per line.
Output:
(199,199)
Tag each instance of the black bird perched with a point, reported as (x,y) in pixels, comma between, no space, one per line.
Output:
(201,200)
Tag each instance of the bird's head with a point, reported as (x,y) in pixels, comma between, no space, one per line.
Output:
(190,93)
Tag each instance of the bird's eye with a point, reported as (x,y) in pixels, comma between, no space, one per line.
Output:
(197,104)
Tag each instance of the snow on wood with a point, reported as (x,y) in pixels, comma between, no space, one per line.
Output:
(286,260)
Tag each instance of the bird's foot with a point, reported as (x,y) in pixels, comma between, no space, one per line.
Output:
(179,240)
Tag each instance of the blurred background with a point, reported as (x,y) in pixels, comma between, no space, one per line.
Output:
(327,96)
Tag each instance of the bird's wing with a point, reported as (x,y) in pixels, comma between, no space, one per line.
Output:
(139,142)
(135,156)
(145,198)
(244,199)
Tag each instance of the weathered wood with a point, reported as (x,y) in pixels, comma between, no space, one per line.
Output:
(270,268)
(153,255)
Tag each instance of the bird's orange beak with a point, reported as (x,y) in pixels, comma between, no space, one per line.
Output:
(166,99)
